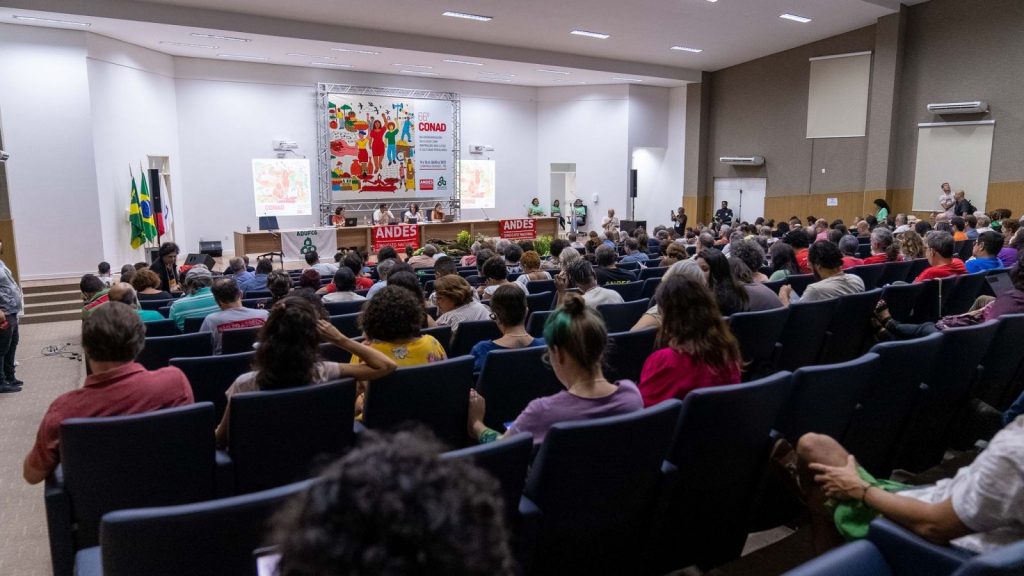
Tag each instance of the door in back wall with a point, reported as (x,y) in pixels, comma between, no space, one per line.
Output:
(744,195)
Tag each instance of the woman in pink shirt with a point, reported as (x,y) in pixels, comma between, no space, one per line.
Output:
(696,347)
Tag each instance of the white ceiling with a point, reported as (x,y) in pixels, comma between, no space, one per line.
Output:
(524,36)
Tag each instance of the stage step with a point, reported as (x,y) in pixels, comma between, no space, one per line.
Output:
(55,302)
(52,317)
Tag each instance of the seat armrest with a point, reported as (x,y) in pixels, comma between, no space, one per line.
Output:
(358,427)
(908,553)
(225,474)
(530,516)
(59,524)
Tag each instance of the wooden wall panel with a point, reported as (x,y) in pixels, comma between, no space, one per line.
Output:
(690,204)
(1009,195)
(850,206)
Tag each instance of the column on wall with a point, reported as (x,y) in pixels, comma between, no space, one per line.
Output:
(696,186)
(886,72)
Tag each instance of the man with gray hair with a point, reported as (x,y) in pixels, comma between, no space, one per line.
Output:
(901,224)
(940,257)
(883,247)
(238,269)
(425,259)
(383,270)
(124,293)
(984,224)
(704,242)
(198,301)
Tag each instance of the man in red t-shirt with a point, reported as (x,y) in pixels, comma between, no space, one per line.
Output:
(800,240)
(112,337)
(939,251)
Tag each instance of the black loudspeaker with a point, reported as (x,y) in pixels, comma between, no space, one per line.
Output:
(213,248)
(204,259)
(152,254)
(632,183)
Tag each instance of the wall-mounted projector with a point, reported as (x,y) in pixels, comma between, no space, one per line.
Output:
(480,148)
(285,145)
(742,160)
(975,107)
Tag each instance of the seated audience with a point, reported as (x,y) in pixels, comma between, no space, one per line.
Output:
(939,251)
(383,269)
(127,273)
(392,325)
(986,253)
(354,262)
(827,263)
(883,247)
(323,268)
(392,506)
(253,281)
(752,254)
(279,283)
(425,259)
(633,251)
(94,294)
(607,271)
(116,385)
(147,285)
(344,287)
(581,275)
(800,242)
(288,356)
(576,340)
(402,276)
(166,267)
(508,308)
(1008,254)
(759,296)
(729,294)
(959,228)
(236,267)
(456,304)
(530,263)
(495,274)
(848,248)
(911,245)
(695,347)
(232,315)
(513,255)
(688,268)
(309,280)
(198,301)
(124,293)
(673,252)
(444,266)
(978,510)
(782,261)
(103,273)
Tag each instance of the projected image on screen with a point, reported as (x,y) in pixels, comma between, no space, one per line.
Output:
(476,181)
(281,187)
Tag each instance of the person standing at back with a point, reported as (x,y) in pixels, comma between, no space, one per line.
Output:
(11,304)
(724,214)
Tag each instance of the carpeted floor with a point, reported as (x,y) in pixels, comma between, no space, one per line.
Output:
(23,542)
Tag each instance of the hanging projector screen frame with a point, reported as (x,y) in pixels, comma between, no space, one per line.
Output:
(838,89)
(327,202)
(956,152)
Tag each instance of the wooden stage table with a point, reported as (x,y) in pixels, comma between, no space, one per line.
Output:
(359,237)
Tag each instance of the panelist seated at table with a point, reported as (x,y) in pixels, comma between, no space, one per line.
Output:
(437,214)
(383,215)
(338,218)
(412,215)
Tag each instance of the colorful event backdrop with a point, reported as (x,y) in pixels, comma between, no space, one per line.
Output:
(390,147)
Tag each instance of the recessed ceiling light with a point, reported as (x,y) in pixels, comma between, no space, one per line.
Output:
(418,72)
(370,52)
(712,1)
(215,37)
(795,18)
(590,34)
(497,74)
(332,64)
(414,66)
(51,21)
(569,82)
(242,56)
(487,79)
(300,54)
(627,79)
(466,62)
(187,45)
(466,16)
(545,71)
(686,49)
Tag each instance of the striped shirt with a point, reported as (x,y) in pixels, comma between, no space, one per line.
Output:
(198,305)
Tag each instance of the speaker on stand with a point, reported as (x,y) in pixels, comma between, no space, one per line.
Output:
(632,193)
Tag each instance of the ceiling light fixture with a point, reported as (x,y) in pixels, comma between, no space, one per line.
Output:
(466,62)
(187,45)
(687,49)
(497,74)
(466,16)
(795,18)
(418,72)
(370,52)
(545,71)
(414,66)
(215,37)
(300,54)
(332,64)
(242,56)
(590,34)
(486,79)
(627,79)
(50,21)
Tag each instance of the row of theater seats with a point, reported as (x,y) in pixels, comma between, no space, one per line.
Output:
(672,485)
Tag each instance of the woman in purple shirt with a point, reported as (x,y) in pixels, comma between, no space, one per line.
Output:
(576,339)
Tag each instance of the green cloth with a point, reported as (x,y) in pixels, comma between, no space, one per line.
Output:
(853,517)
(882,215)
(151,316)
(199,305)
(778,275)
(556,210)
(536,210)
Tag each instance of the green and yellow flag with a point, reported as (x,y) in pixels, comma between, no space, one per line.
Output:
(135,217)
(146,207)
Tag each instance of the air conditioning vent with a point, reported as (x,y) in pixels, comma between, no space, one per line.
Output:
(742,160)
(975,107)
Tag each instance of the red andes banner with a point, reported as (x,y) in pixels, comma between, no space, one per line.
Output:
(519,229)
(398,236)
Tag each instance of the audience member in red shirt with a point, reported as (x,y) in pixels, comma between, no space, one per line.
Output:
(697,348)
(939,251)
(883,247)
(112,337)
(800,240)
(848,245)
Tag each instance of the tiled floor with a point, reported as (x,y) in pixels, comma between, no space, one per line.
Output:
(23,541)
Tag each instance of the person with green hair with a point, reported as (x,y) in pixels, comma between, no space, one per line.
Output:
(576,338)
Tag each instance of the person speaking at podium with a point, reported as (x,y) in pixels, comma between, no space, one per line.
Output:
(383,215)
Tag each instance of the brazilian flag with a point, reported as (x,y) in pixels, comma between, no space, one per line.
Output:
(136,219)
(146,209)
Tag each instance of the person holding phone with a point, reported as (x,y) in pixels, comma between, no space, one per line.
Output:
(679,220)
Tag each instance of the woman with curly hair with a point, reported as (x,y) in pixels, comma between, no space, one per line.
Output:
(288,351)
(456,302)
(576,339)
(391,321)
(911,245)
(393,506)
(530,263)
(696,348)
